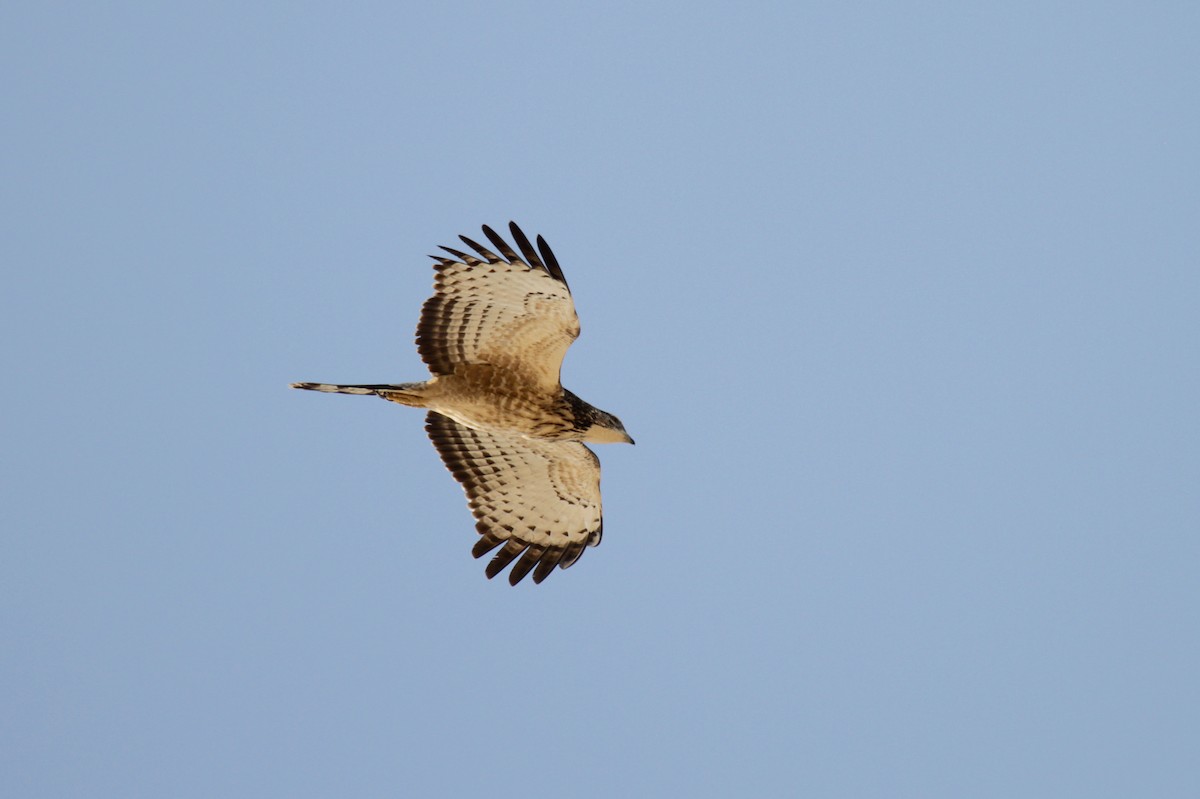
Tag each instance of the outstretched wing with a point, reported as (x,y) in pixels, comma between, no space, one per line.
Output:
(508,310)
(540,499)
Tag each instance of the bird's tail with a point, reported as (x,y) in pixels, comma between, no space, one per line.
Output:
(403,393)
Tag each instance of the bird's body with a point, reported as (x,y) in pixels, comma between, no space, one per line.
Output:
(485,398)
(494,334)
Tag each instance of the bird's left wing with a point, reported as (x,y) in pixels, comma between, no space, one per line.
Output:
(540,499)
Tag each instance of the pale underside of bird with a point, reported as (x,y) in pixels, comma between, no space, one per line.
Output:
(493,335)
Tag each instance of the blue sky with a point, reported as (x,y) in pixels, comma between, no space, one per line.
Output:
(898,300)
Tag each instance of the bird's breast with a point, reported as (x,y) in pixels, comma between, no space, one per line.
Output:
(484,399)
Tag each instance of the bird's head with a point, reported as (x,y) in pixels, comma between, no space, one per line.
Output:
(606,429)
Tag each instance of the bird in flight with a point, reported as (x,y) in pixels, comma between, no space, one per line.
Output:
(493,335)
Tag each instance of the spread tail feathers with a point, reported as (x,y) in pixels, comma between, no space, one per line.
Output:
(404,393)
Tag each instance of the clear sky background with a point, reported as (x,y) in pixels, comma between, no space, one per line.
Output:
(900,301)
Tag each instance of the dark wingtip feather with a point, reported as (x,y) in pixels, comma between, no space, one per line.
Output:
(572,554)
(487,254)
(551,262)
(503,558)
(525,564)
(547,564)
(498,241)
(485,545)
(531,255)
(469,260)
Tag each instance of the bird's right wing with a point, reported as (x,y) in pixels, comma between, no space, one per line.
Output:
(508,310)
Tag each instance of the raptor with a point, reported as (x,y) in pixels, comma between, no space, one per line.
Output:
(493,335)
